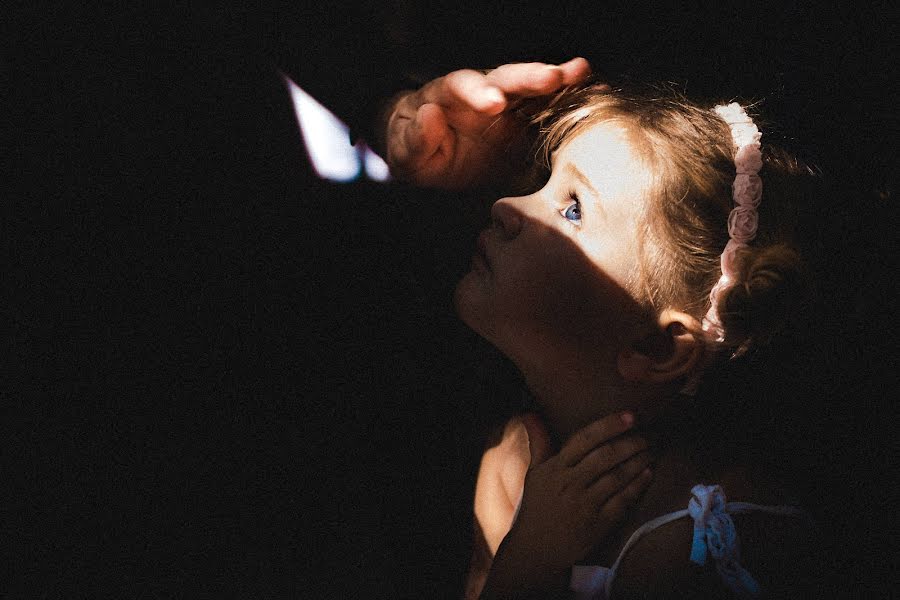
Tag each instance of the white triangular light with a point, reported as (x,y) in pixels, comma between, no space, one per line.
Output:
(327,139)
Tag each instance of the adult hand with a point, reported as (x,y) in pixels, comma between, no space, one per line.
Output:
(462,130)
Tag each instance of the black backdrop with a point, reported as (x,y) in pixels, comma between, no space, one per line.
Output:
(226,377)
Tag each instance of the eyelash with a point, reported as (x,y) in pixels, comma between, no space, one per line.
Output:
(574,199)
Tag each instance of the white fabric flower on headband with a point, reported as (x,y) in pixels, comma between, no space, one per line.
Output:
(743,219)
(732,113)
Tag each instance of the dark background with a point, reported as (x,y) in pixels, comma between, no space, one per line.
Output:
(225,377)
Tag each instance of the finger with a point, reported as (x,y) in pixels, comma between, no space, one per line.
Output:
(433,133)
(616,506)
(402,118)
(420,141)
(618,478)
(606,456)
(527,79)
(592,435)
(575,70)
(467,88)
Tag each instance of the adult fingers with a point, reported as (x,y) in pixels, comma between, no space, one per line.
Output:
(526,79)
(575,70)
(466,89)
(618,478)
(535,79)
(592,435)
(489,94)
(416,141)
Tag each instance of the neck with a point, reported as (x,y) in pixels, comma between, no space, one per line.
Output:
(572,399)
(570,402)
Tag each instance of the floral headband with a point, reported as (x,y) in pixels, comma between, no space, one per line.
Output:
(743,219)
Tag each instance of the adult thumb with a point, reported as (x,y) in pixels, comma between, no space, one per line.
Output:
(538,439)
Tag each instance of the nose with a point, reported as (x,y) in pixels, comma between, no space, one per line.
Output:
(506,217)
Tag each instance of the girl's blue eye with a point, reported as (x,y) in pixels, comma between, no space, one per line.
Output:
(573,211)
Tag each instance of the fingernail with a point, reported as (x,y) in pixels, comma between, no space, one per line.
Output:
(628,419)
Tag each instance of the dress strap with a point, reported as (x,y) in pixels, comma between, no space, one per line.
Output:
(595,583)
(714,534)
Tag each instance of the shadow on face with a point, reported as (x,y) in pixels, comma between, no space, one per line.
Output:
(550,277)
(538,296)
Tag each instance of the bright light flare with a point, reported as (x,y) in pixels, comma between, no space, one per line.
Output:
(327,142)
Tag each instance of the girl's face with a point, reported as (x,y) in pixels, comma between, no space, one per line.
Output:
(548,279)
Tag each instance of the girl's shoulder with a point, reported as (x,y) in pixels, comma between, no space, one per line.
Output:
(777,550)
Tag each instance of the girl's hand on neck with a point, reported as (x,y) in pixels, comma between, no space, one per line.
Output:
(571,502)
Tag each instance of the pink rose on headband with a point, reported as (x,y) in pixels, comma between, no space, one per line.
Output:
(742,223)
(743,218)
(712,324)
(748,159)
(729,258)
(747,190)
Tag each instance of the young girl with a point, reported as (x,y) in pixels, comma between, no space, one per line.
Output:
(645,276)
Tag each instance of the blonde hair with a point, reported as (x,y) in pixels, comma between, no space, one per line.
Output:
(688,152)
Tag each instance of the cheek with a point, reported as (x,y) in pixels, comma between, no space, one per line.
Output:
(559,295)
(543,295)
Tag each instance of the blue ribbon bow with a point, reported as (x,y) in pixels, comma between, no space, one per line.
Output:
(714,534)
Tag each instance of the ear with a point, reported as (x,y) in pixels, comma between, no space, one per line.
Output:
(673,352)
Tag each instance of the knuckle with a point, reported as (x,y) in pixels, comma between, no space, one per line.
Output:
(644,459)
(458,80)
(630,445)
(611,510)
(603,458)
(584,437)
(620,475)
(618,447)
(633,465)
(630,493)
(591,460)
(638,485)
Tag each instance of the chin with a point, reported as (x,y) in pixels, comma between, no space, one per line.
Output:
(463,302)
(470,304)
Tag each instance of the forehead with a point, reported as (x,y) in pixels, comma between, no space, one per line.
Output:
(606,157)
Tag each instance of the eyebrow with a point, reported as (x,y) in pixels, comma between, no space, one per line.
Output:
(573,170)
